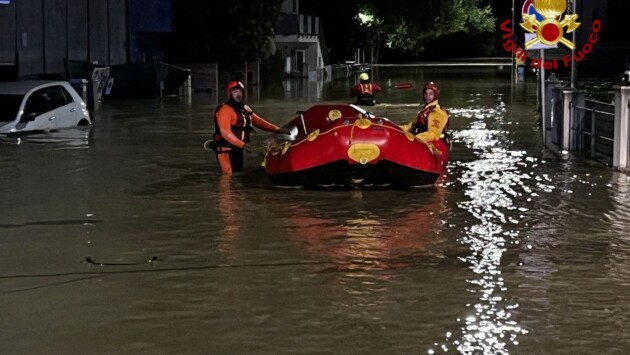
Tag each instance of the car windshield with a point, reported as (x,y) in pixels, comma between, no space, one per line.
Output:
(9,106)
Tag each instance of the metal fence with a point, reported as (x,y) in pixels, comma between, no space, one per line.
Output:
(597,127)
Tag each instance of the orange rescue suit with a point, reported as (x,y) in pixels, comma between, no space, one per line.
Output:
(233,126)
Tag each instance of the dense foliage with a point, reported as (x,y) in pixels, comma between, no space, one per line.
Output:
(407,26)
(412,24)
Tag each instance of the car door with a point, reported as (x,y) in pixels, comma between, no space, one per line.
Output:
(63,106)
(48,108)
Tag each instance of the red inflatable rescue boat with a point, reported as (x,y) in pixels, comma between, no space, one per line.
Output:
(340,144)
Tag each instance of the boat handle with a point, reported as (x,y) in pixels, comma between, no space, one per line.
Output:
(303,123)
(52,118)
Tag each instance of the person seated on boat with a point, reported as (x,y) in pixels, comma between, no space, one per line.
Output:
(432,121)
(233,121)
(365,90)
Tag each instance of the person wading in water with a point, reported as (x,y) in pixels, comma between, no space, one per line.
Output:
(233,125)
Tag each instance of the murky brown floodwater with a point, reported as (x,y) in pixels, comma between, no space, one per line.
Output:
(519,251)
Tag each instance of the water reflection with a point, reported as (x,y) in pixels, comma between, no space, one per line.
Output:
(229,200)
(73,138)
(353,229)
(305,89)
(371,251)
(373,236)
(492,184)
(618,263)
(619,213)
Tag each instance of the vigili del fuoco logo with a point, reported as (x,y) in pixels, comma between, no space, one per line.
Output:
(546,26)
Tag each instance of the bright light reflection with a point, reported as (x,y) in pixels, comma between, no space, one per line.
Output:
(492,183)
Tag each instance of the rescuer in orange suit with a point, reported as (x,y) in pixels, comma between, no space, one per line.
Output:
(233,121)
(365,90)
(431,122)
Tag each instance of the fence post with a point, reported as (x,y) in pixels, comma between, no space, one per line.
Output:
(568,140)
(593,131)
(577,115)
(620,148)
(549,111)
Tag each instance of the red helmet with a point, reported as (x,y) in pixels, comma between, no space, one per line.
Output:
(431,86)
(233,85)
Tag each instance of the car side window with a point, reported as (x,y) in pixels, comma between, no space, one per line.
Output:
(36,104)
(67,95)
(56,97)
(46,99)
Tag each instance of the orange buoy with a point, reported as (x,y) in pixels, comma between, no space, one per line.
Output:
(404,86)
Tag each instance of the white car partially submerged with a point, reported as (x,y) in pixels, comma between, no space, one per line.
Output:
(37,105)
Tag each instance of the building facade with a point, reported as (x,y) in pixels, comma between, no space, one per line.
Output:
(298,38)
(38,35)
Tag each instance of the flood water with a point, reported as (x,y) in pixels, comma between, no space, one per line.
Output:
(122,238)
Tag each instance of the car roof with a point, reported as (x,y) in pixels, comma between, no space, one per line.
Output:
(22,87)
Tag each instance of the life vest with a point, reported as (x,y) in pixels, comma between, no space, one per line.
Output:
(365,94)
(366,91)
(242,128)
(422,120)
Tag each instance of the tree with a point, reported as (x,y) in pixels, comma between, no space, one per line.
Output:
(412,24)
(369,32)
(227,32)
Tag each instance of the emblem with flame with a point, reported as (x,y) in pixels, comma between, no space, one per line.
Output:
(550,31)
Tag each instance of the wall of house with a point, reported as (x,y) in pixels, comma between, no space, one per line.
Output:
(7,35)
(37,35)
(298,32)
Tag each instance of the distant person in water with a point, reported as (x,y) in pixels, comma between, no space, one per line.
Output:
(365,90)
(233,121)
